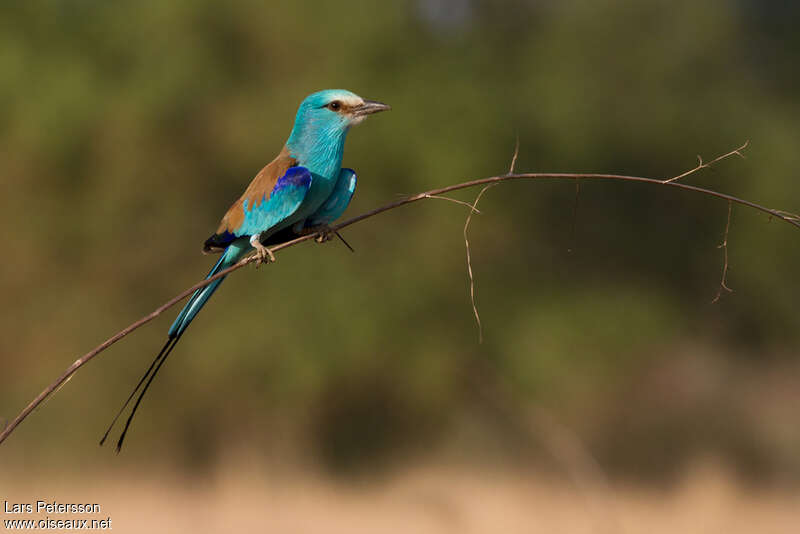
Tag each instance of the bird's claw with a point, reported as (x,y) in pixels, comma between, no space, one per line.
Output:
(323,232)
(263,254)
(323,236)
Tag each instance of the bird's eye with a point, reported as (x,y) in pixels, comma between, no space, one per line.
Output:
(335,105)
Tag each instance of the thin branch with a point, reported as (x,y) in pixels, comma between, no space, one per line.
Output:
(514,157)
(467,204)
(789,215)
(83,360)
(467,247)
(723,284)
(343,240)
(701,165)
(469,262)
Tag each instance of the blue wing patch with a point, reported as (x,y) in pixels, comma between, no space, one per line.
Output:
(340,198)
(286,197)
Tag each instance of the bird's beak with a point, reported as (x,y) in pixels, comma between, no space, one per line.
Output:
(369,107)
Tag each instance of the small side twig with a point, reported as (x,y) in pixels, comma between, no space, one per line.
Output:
(469,262)
(723,284)
(789,215)
(701,165)
(455,200)
(343,240)
(467,247)
(514,157)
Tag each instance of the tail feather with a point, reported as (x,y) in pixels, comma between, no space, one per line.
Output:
(161,359)
(169,342)
(197,300)
(231,255)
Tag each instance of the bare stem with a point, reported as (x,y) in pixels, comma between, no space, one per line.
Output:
(474,209)
(83,360)
(469,261)
(701,165)
(723,284)
(456,201)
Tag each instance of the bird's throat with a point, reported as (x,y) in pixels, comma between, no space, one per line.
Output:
(321,154)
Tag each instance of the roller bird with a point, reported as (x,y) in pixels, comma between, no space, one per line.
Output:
(301,191)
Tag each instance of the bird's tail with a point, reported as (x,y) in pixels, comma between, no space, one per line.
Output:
(196,302)
(199,298)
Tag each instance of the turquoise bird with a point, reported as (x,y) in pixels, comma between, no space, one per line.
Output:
(301,191)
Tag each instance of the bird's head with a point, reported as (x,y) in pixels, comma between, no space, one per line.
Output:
(338,106)
(332,111)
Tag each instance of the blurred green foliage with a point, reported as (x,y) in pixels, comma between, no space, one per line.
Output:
(128,128)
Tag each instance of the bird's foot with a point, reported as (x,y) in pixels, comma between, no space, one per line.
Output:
(323,232)
(263,254)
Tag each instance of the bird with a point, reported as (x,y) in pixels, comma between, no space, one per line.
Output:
(301,191)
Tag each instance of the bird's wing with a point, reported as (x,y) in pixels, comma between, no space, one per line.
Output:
(273,196)
(333,208)
(330,210)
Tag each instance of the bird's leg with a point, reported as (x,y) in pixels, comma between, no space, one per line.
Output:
(264,254)
(323,231)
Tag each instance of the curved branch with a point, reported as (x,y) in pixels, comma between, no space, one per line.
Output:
(83,360)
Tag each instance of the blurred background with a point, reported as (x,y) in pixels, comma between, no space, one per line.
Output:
(348,392)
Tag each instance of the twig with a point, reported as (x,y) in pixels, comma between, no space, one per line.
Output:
(467,247)
(343,240)
(723,284)
(469,262)
(701,165)
(467,204)
(514,157)
(83,360)
(789,215)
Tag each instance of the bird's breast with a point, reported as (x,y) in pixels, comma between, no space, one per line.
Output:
(323,159)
